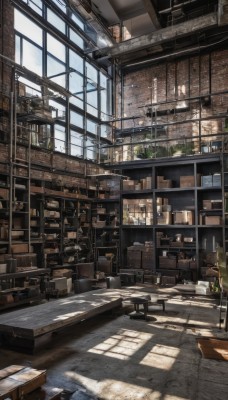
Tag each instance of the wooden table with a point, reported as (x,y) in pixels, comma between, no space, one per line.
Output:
(137,302)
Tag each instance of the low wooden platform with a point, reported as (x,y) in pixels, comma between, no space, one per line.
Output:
(29,328)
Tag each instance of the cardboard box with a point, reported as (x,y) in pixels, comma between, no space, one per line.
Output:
(187,181)
(167,263)
(166,184)
(168,280)
(213,220)
(184,217)
(146,183)
(71,235)
(60,283)
(164,218)
(85,270)
(207,205)
(4,194)
(183,264)
(128,184)
(20,248)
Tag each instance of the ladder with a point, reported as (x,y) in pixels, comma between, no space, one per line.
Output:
(19,178)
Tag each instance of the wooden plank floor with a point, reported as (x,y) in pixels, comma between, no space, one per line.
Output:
(45,318)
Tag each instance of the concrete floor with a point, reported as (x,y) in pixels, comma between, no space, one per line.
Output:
(114,357)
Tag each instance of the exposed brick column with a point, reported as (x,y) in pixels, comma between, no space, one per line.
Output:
(7,49)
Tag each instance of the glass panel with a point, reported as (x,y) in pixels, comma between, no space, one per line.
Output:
(32,57)
(76,141)
(61,4)
(91,73)
(91,150)
(60,138)
(31,88)
(59,110)
(76,84)
(56,21)
(106,131)
(18,49)
(25,26)
(76,62)
(36,5)
(77,102)
(103,81)
(91,126)
(78,21)
(56,48)
(76,39)
(92,103)
(104,105)
(55,67)
(76,119)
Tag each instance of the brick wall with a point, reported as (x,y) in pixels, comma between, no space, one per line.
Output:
(175,81)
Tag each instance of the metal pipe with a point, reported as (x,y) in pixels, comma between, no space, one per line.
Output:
(176,53)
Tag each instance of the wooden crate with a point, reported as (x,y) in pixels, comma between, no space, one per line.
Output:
(16,381)
(167,263)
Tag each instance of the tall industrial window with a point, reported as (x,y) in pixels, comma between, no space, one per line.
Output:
(57,49)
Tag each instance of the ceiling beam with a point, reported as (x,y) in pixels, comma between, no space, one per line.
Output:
(160,36)
(152,13)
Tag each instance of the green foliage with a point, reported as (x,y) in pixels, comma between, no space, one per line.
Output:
(151,151)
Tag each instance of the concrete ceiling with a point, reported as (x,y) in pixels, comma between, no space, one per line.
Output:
(130,13)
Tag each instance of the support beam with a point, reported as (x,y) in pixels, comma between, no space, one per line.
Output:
(152,13)
(160,36)
(223,12)
(85,10)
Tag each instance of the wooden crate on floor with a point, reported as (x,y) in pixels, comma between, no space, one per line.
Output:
(16,381)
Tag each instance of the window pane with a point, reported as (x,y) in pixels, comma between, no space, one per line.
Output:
(106,131)
(59,110)
(31,88)
(60,138)
(76,119)
(91,110)
(77,20)
(104,105)
(91,151)
(76,39)
(92,102)
(25,26)
(61,4)
(18,49)
(32,57)
(56,48)
(56,21)
(76,62)
(91,126)
(36,5)
(76,84)
(77,102)
(55,67)
(76,144)
(103,81)
(91,73)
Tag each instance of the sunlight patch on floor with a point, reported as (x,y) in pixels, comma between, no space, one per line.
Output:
(122,345)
